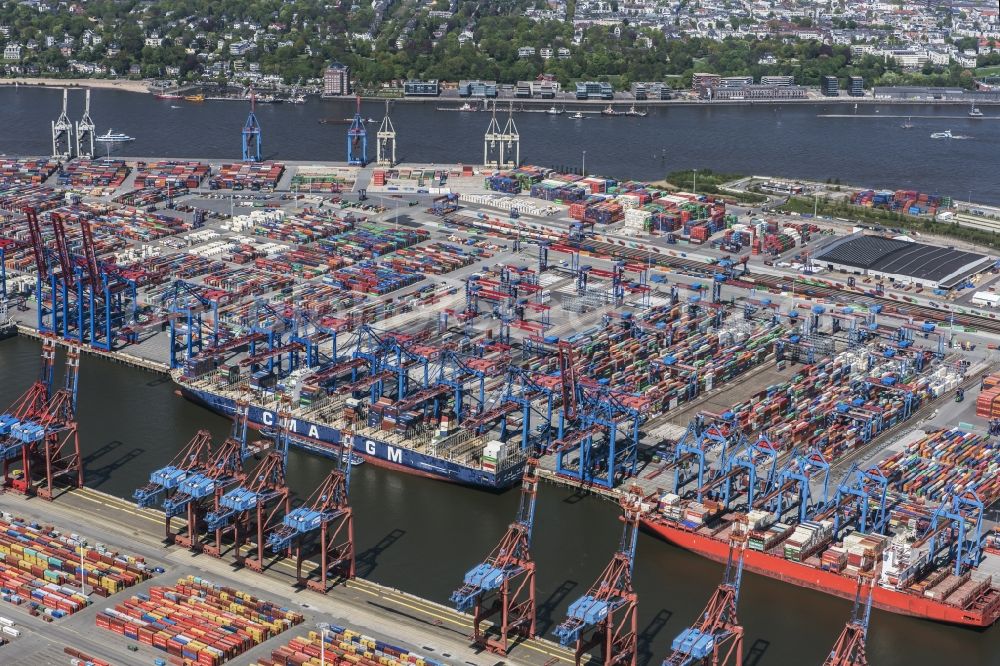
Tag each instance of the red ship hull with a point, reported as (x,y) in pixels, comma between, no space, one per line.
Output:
(773,566)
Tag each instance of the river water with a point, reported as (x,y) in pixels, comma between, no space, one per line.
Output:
(866,147)
(422,535)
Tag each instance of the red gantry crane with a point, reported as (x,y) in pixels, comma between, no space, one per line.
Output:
(716,638)
(324,521)
(849,649)
(505,583)
(609,610)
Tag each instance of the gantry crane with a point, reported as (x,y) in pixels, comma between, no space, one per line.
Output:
(849,650)
(505,582)
(716,637)
(252,134)
(25,408)
(327,518)
(209,484)
(166,481)
(254,509)
(224,469)
(41,429)
(609,610)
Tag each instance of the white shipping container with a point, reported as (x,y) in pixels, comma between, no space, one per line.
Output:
(11,631)
(6,621)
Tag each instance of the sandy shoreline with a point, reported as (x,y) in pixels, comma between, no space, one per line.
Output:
(106,84)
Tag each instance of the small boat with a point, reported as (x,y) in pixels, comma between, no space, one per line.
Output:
(975,113)
(353,458)
(371,120)
(194,98)
(609,111)
(114,137)
(577,116)
(907,124)
(553,111)
(633,112)
(942,135)
(300,99)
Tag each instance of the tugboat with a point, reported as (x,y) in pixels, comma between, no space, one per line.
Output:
(553,111)
(907,124)
(609,111)
(577,116)
(633,112)
(975,113)
(114,137)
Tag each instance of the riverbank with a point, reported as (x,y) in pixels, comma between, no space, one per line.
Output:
(129,85)
(125,85)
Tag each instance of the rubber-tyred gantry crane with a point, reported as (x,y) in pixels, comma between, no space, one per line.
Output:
(326,522)
(716,638)
(849,650)
(609,610)
(505,583)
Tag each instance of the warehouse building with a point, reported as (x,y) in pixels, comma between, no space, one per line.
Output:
(902,261)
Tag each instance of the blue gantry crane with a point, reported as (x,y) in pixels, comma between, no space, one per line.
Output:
(716,637)
(252,134)
(957,526)
(849,650)
(505,582)
(795,487)
(705,433)
(357,139)
(607,615)
(598,430)
(325,521)
(861,500)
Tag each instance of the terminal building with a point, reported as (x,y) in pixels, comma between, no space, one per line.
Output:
(902,261)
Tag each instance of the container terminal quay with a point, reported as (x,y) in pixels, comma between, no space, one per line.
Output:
(798,397)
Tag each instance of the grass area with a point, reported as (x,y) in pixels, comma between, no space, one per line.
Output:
(988,71)
(886,218)
(708,182)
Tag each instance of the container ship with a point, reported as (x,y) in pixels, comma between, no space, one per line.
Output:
(380,434)
(932,559)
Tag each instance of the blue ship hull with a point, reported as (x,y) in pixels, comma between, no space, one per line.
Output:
(326,441)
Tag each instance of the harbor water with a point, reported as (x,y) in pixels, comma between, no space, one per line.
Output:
(421,535)
(819,141)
